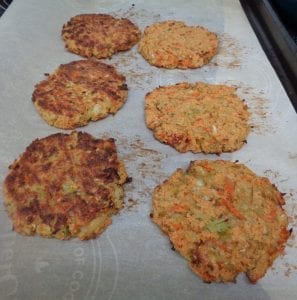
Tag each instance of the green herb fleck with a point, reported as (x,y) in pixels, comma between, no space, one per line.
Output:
(219,226)
(69,187)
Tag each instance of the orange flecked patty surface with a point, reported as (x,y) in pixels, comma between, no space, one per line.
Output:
(223,219)
(173,44)
(197,117)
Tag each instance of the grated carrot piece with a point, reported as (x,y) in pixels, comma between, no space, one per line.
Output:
(179,207)
(176,226)
(272,215)
(186,62)
(207,167)
(232,209)
(229,188)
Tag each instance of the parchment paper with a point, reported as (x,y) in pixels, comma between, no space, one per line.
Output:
(132,259)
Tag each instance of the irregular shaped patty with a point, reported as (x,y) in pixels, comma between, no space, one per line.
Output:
(80,92)
(99,35)
(223,219)
(65,185)
(173,44)
(197,117)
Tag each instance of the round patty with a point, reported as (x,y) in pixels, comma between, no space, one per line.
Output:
(80,92)
(65,185)
(173,44)
(197,117)
(99,35)
(223,219)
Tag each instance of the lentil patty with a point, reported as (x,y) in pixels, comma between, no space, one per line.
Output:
(80,92)
(197,117)
(99,35)
(223,219)
(65,185)
(173,44)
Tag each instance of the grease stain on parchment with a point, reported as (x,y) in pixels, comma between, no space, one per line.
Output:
(271,174)
(229,54)
(138,72)
(291,206)
(292,156)
(147,167)
(131,204)
(143,165)
(258,106)
(140,16)
(290,269)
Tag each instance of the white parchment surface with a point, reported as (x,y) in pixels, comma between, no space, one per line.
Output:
(132,259)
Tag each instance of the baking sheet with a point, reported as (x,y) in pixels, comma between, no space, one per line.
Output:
(132,259)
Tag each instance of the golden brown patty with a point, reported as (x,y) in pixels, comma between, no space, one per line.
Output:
(173,44)
(65,185)
(197,117)
(99,35)
(223,219)
(80,92)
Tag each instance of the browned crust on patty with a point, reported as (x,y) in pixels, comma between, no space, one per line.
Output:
(197,117)
(99,35)
(65,185)
(173,44)
(223,219)
(80,92)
